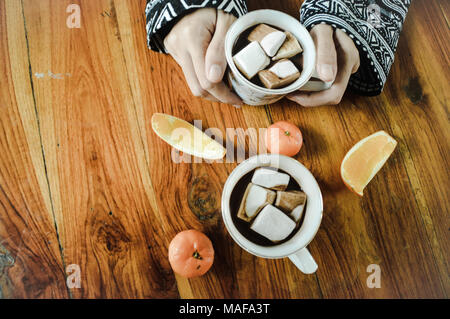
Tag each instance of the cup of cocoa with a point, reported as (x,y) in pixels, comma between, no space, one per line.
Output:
(272,207)
(270,54)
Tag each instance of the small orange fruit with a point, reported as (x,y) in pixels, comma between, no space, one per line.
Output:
(365,159)
(284,138)
(191,253)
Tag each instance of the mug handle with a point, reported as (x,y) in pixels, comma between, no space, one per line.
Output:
(316,85)
(304,261)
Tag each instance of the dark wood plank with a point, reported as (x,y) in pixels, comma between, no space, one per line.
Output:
(96,165)
(30,259)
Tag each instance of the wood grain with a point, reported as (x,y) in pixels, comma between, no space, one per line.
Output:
(31,264)
(84,180)
(96,164)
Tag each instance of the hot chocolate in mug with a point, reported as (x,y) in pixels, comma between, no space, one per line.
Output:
(253,94)
(296,247)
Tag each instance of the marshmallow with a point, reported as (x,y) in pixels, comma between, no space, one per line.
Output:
(284,69)
(273,224)
(280,74)
(297,213)
(251,59)
(290,48)
(272,42)
(271,81)
(287,201)
(255,198)
(270,178)
(292,202)
(260,31)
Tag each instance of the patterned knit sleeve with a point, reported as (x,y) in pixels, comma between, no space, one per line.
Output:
(162,15)
(374,26)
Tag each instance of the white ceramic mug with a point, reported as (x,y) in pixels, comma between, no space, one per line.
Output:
(294,248)
(253,94)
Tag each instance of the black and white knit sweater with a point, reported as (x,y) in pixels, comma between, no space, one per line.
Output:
(374,26)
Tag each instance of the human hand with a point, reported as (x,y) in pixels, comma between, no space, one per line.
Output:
(337,60)
(196,42)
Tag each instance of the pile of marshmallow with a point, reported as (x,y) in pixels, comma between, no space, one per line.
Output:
(268,44)
(271,211)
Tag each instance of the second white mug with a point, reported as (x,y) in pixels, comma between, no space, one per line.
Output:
(296,247)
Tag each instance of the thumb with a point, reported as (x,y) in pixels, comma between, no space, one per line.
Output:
(326,64)
(215,61)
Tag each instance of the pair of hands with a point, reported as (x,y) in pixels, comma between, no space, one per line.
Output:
(196,43)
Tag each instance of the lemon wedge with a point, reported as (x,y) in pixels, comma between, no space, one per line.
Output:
(365,159)
(185,137)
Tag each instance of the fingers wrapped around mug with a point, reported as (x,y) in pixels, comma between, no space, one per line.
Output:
(337,59)
(196,44)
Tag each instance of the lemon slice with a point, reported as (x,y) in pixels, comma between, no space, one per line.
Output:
(186,137)
(365,159)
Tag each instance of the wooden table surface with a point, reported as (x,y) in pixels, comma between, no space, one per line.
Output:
(85,181)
